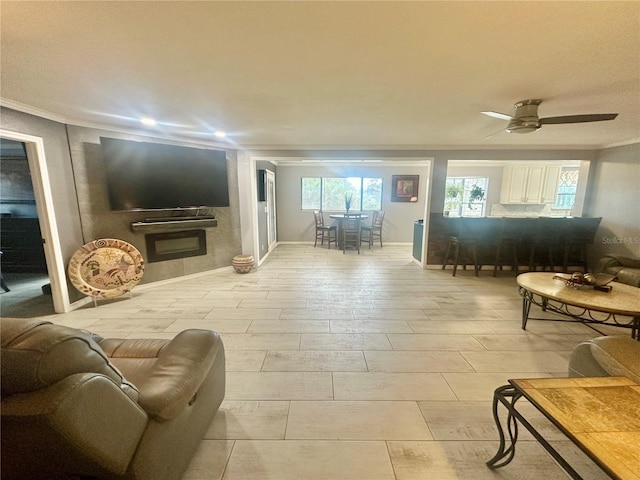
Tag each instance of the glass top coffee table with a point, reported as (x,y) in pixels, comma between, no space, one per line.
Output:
(601,415)
(619,307)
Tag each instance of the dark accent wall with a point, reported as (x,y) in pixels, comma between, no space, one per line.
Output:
(80,202)
(98,221)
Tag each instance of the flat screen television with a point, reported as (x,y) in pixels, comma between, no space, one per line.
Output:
(150,176)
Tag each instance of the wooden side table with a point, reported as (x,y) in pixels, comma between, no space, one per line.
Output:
(601,415)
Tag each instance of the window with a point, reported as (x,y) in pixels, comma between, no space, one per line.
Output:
(465,196)
(330,193)
(567,187)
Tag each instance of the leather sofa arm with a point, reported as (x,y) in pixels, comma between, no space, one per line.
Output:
(627,270)
(167,374)
(87,414)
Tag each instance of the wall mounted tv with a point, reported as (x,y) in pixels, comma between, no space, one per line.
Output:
(149,176)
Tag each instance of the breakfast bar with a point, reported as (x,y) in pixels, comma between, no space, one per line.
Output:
(554,243)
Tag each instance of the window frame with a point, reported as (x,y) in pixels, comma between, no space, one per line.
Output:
(463,209)
(358,201)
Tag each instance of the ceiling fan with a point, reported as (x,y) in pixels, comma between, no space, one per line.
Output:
(526,120)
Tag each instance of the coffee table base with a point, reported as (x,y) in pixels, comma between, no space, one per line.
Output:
(577,314)
(507,395)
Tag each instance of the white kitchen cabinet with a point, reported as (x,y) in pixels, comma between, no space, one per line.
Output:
(522,184)
(550,186)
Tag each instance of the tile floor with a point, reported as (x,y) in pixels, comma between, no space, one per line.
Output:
(356,367)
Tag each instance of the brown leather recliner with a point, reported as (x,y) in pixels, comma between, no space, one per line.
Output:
(626,269)
(77,405)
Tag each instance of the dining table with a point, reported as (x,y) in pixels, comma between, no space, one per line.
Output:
(339,217)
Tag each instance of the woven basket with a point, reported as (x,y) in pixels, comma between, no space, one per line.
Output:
(243,263)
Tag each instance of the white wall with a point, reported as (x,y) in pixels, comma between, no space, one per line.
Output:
(296,225)
(615,196)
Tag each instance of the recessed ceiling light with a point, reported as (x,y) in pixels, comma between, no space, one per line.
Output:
(219,134)
(148,121)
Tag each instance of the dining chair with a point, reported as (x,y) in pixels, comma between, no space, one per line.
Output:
(322,230)
(374,230)
(351,231)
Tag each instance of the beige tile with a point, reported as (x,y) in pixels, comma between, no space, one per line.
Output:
(171,312)
(480,386)
(530,342)
(515,327)
(474,421)
(356,421)
(130,324)
(423,341)
(388,314)
(460,420)
(253,303)
(416,361)
(289,326)
(220,326)
(411,304)
(306,459)
(279,386)
(567,342)
(370,326)
(327,313)
(346,303)
(243,314)
(451,327)
(244,360)
(523,361)
(314,361)
(261,341)
(453,460)
(209,461)
(344,341)
(237,420)
(207,302)
(391,386)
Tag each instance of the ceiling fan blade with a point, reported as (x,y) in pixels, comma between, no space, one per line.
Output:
(595,117)
(501,116)
(495,133)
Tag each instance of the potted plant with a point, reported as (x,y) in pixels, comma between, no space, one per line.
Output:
(453,194)
(348,198)
(476,194)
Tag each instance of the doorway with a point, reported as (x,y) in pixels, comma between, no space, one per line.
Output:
(26,288)
(49,240)
(272,236)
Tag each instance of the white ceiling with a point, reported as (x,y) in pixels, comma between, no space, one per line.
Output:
(328,74)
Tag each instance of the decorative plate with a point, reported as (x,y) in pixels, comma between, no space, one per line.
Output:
(106,268)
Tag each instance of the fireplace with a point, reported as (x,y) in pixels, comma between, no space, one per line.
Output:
(172,245)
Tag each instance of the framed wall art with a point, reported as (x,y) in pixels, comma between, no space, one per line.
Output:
(404,188)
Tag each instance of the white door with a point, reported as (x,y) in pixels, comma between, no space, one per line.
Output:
(271,209)
(46,217)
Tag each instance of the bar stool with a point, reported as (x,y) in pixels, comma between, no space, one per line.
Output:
(351,231)
(470,237)
(374,230)
(507,243)
(545,249)
(322,229)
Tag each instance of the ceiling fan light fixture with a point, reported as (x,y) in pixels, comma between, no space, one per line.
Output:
(523,127)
